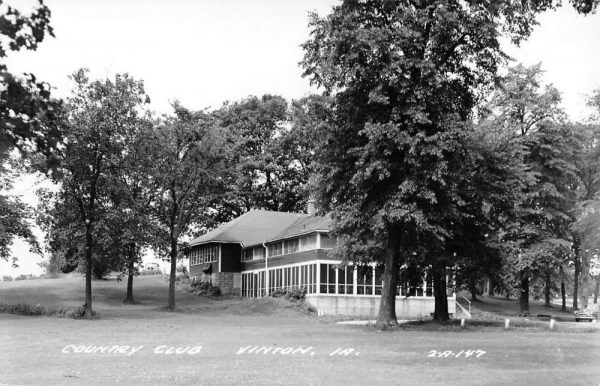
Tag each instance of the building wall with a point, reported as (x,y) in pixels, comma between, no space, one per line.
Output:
(231,255)
(196,270)
(368,306)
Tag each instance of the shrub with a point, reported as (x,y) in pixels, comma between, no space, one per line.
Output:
(294,295)
(203,288)
(38,310)
(7,278)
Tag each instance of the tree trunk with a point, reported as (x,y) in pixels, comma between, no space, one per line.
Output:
(563,292)
(88,270)
(440,313)
(491,287)
(576,249)
(596,290)
(473,290)
(547,290)
(524,297)
(130,266)
(387,305)
(585,279)
(173,256)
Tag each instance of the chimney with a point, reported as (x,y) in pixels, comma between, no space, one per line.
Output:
(310,206)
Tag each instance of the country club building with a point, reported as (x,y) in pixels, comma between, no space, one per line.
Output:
(263,251)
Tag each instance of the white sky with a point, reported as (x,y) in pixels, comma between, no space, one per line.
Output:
(204,52)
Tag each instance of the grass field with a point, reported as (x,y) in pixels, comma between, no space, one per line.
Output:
(228,341)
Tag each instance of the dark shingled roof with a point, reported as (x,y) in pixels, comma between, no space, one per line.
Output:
(258,226)
(305,224)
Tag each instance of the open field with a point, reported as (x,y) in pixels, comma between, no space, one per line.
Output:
(254,342)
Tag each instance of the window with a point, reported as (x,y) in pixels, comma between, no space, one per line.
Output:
(346,280)
(247,255)
(291,246)
(204,254)
(364,281)
(308,242)
(255,253)
(336,280)
(378,280)
(294,277)
(275,249)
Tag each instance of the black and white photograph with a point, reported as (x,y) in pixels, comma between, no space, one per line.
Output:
(299,192)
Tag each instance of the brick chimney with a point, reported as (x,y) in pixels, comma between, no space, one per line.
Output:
(310,207)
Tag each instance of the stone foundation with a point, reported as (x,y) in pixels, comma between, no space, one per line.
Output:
(228,282)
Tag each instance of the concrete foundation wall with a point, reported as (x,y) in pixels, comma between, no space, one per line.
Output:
(368,306)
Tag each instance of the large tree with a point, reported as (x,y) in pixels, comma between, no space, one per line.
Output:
(405,77)
(256,122)
(98,115)
(193,169)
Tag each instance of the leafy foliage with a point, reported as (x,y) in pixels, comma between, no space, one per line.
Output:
(99,116)
(405,77)
(193,169)
(28,114)
(28,118)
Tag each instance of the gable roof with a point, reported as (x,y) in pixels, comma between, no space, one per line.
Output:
(259,226)
(251,228)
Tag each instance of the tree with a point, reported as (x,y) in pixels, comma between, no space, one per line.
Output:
(405,76)
(193,166)
(98,112)
(586,211)
(28,118)
(131,225)
(521,104)
(27,112)
(539,239)
(491,184)
(15,217)
(294,149)
(256,122)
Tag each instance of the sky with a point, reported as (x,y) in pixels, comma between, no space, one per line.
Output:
(205,52)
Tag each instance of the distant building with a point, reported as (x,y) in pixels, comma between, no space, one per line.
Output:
(262,251)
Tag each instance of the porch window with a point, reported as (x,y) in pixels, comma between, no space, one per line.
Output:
(204,254)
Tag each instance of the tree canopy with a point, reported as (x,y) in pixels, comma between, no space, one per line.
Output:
(405,77)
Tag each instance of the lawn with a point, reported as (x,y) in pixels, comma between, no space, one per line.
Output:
(232,341)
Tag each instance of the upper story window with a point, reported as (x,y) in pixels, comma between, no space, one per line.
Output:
(255,253)
(204,254)
(299,244)
(308,242)
(276,249)
(291,246)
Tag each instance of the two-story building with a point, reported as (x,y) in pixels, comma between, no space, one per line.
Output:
(262,251)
